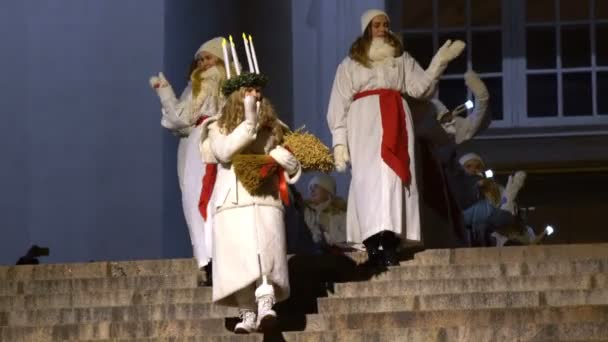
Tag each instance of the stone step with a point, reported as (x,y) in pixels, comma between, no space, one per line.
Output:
(446,286)
(85,299)
(98,269)
(456,318)
(557,267)
(462,301)
(513,254)
(97,284)
(524,332)
(163,312)
(570,323)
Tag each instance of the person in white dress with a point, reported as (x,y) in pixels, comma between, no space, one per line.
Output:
(249,255)
(201,99)
(372,128)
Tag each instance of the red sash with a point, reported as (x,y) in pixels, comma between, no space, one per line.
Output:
(394,150)
(208,181)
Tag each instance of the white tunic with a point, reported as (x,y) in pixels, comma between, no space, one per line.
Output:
(179,118)
(377,199)
(249,231)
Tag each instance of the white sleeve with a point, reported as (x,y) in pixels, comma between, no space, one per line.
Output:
(224,147)
(339,102)
(478,120)
(418,83)
(175,112)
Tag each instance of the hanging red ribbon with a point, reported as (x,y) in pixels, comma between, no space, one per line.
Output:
(394,148)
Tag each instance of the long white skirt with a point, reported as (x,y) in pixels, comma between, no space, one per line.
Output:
(191,170)
(241,234)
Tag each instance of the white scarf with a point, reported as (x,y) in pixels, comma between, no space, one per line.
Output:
(380,50)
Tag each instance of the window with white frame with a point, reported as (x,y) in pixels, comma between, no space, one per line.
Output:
(545,62)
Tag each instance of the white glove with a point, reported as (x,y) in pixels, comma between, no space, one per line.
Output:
(158,81)
(251,113)
(341,157)
(285,159)
(514,184)
(446,53)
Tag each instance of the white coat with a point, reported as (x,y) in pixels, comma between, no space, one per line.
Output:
(249,231)
(377,199)
(180,117)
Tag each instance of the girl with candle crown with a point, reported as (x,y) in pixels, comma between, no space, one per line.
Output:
(200,99)
(249,234)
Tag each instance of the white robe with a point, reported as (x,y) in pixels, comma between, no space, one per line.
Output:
(178,117)
(377,198)
(249,232)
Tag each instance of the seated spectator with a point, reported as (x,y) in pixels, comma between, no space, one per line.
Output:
(325,214)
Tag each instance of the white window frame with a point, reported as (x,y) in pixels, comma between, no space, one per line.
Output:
(514,70)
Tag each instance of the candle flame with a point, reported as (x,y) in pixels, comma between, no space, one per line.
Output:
(230,37)
(223,42)
(244,36)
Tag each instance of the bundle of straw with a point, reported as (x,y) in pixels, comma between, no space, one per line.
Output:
(312,154)
(253,170)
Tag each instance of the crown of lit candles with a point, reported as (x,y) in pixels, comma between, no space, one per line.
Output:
(252,60)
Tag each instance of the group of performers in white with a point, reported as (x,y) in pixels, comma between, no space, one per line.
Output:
(381,105)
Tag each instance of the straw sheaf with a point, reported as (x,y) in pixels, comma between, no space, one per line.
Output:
(248,170)
(312,154)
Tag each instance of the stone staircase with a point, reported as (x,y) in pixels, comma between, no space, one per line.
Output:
(537,293)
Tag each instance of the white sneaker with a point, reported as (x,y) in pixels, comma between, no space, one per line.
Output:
(267,317)
(247,323)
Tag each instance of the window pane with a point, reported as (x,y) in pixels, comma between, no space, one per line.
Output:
(576,46)
(452,92)
(459,65)
(577,94)
(417,15)
(542,95)
(485,13)
(601,47)
(486,48)
(452,13)
(573,10)
(602,93)
(540,10)
(601,9)
(540,47)
(420,46)
(494,86)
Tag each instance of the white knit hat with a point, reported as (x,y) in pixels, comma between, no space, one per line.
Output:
(368,15)
(469,156)
(324,181)
(213,46)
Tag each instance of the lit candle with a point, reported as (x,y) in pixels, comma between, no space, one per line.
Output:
(235,58)
(253,55)
(226,60)
(248,53)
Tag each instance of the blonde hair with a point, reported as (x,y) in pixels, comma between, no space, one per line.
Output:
(360,48)
(233,114)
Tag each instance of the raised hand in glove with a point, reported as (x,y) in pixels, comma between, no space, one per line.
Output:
(158,81)
(285,159)
(341,157)
(446,53)
(251,109)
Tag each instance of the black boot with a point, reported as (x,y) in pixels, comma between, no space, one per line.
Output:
(374,256)
(390,243)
